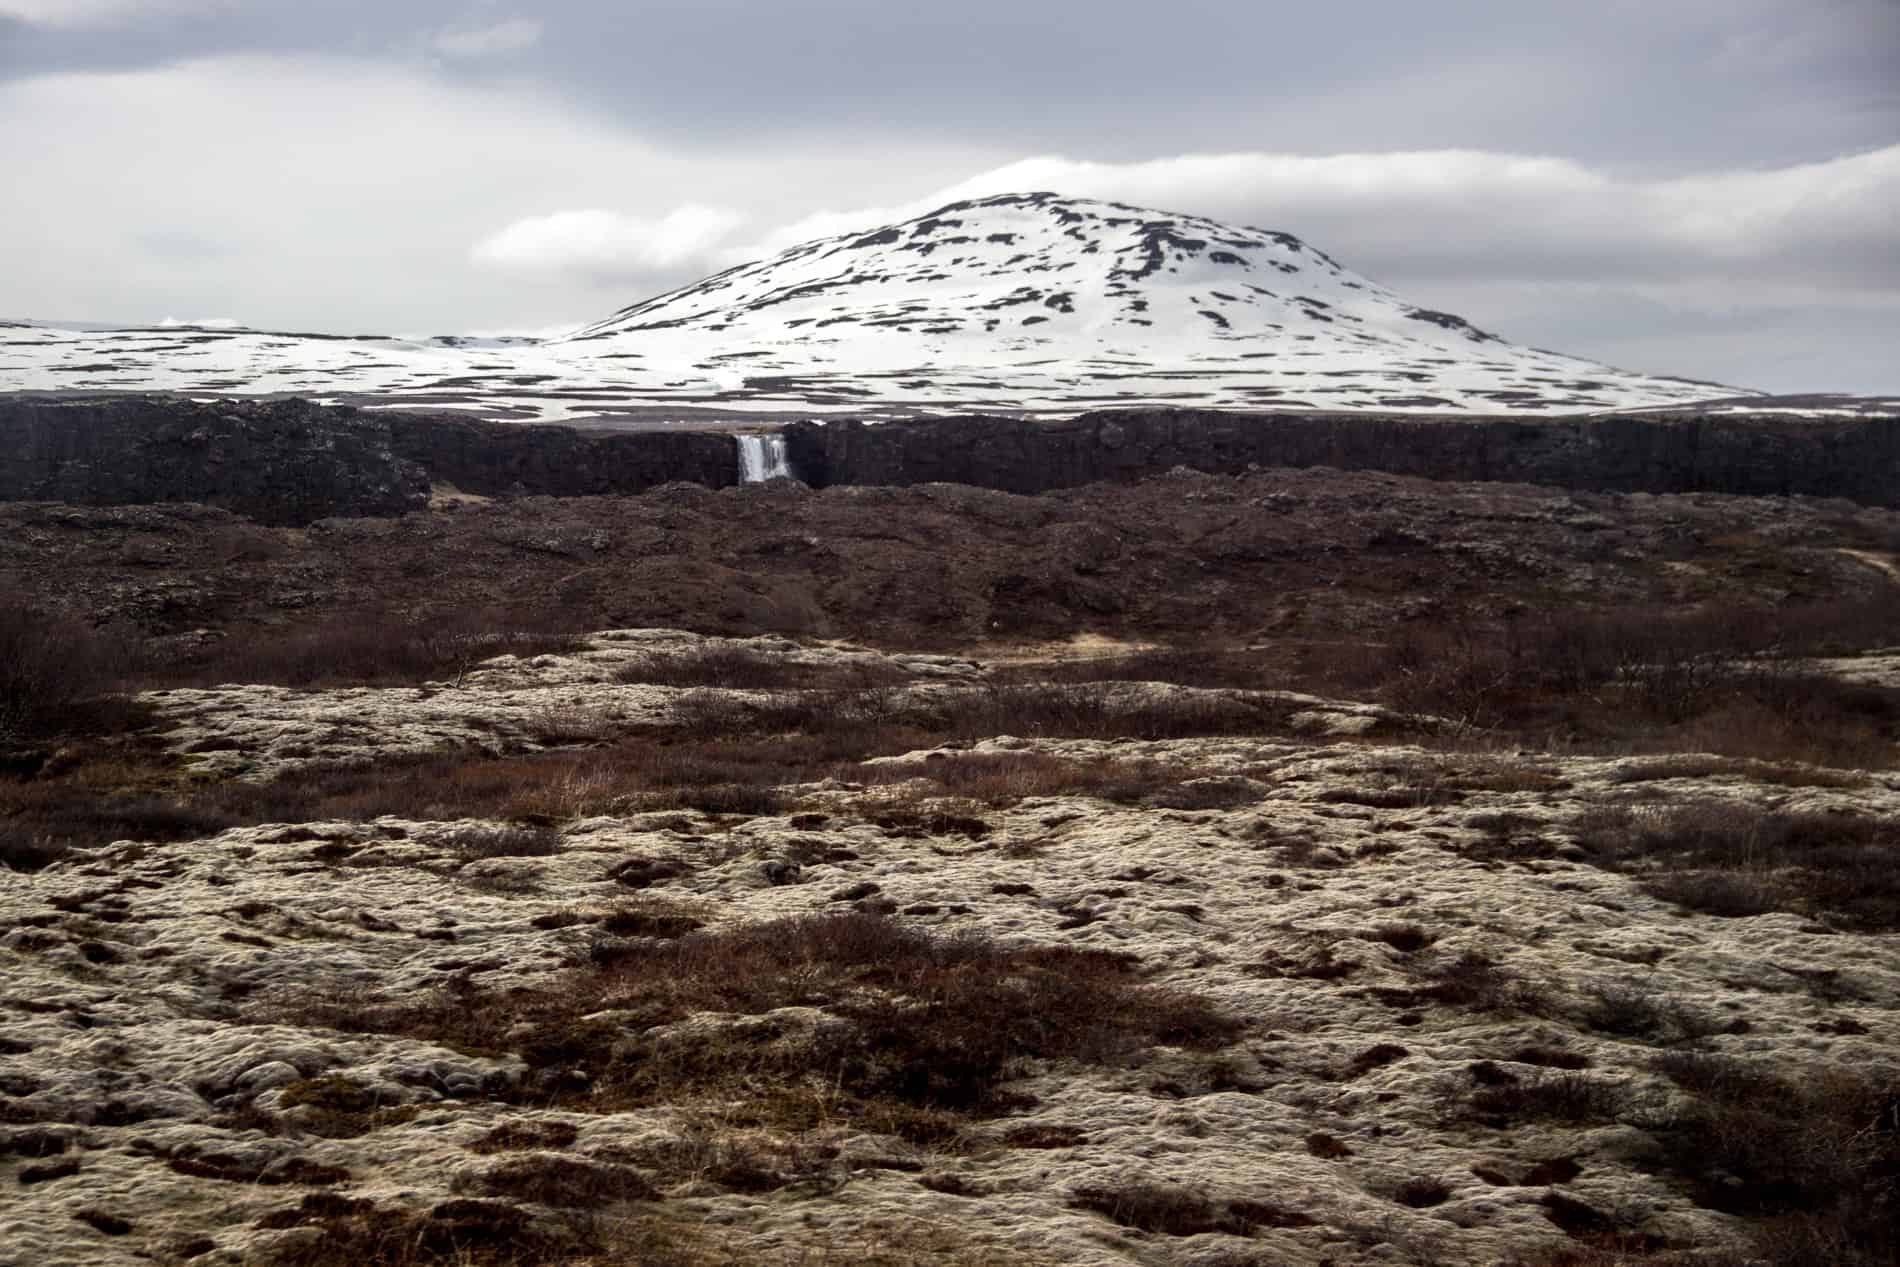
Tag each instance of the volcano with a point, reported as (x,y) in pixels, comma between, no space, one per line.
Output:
(1021,303)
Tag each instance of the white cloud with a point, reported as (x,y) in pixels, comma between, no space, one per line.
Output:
(345,194)
(353,195)
(91,13)
(1466,214)
(606,246)
(489,41)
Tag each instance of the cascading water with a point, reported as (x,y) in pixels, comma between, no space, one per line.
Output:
(762,458)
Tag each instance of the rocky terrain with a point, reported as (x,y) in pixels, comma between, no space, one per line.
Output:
(293,462)
(1366,1001)
(1275,557)
(1299,866)
(1021,303)
(1855,455)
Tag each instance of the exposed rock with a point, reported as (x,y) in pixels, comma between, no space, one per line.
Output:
(292,462)
(1676,452)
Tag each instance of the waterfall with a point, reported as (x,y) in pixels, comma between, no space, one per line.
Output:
(762,458)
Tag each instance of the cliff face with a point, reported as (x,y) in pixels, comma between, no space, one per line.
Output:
(1857,458)
(500,459)
(291,462)
(283,462)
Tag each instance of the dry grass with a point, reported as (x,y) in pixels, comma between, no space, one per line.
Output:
(1205,665)
(377,647)
(38,680)
(1727,680)
(1731,859)
(462,1232)
(1811,1158)
(925,1029)
(96,801)
(1575,1098)
(1000,779)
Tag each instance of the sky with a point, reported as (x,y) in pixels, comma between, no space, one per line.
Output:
(1705,188)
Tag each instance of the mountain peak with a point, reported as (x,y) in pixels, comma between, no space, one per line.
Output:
(1018,302)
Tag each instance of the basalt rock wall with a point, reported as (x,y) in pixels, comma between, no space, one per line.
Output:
(1855,458)
(508,459)
(281,462)
(292,462)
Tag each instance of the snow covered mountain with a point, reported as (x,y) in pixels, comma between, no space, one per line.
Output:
(1019,303)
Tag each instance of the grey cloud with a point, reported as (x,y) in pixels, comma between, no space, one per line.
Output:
(1682,83)
(334,166)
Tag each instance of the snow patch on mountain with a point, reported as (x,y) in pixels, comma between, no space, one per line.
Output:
(1022,303)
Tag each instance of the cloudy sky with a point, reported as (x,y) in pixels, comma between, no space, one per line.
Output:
(1700,187)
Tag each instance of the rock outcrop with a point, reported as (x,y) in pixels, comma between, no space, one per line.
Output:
(1742,454)
(506,459)
(284,462)
(291,462)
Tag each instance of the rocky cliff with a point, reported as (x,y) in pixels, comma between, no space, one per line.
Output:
(1855,458)
(291,462)
(279,461)
(503,459)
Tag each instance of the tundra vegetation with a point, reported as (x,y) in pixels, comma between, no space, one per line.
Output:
(1523,929)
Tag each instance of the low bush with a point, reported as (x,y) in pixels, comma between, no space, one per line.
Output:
(378,647)
(1726,680)
(1733,859)
(1422,1193)
(1205,666)
(54,672)
(924,1026)
(1004,778)
(733,666)
(1811,1159)
(1559,1097)
(456,1233)
(1180,1210)
(44,820)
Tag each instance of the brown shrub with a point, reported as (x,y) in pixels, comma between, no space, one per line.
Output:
(97,803)
(1171,1209)
(564,1182)
(732,667)
(1728,858)
(1635,1012)
(930,1024)
(1560,1097)
(526,1134)
(1725,680)
(456,1233)
(1207,666)
(378,647)
(1330,1147)
(1404,938)
(1474,980)
(54,672)
(1004,778)
(1422,1193)
(1811,1158)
